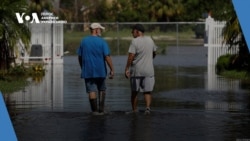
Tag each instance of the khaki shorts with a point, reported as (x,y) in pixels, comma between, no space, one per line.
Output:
(142,84)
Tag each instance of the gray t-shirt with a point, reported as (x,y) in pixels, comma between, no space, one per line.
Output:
(143,48)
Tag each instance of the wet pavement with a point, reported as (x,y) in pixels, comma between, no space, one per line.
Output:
(169,125)
(188,104)
(191,117)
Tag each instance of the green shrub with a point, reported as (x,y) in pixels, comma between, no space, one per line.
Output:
(17,70)
(223,63)
(16,77)
(233,66)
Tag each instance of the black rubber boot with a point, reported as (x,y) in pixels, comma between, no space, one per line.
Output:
(93,105)
(101,101)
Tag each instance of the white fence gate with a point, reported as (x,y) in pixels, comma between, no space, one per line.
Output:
(50,37)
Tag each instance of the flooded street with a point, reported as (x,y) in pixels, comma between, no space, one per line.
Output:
(190,102)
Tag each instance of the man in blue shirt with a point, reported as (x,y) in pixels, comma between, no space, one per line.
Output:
(93,54)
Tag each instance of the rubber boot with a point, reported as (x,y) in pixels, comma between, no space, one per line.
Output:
(101,102)
(93,105)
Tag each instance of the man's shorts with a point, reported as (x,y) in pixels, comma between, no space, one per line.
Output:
(142,84)
(95,84)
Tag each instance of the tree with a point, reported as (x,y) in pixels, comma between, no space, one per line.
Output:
(38,6)
(11,32)
(71,10)
(137,10)
(163,11)
(119,11)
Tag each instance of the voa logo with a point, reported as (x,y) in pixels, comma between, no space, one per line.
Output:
(24,17)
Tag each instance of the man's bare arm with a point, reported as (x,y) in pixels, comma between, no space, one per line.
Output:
(131,57)
(110,64)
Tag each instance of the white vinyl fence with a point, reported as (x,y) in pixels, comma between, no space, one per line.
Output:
(216,48)
(214,40)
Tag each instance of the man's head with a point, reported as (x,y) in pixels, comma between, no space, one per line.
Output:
(96,28)
(137,30)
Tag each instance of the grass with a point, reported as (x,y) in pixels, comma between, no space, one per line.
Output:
(225,68)
(120,41)
(235,74)
(72,41)
(12,84)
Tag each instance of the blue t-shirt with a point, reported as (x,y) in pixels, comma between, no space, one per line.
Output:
(93,50)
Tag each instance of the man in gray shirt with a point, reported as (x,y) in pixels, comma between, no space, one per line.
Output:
(140,68)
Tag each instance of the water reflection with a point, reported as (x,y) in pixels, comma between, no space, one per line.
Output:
(182,80)
(190,102)
(45,94)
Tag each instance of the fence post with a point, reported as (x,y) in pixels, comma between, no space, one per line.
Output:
(209,37)
(118,38)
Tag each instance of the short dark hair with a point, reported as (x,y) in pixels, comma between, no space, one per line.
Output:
(138,27)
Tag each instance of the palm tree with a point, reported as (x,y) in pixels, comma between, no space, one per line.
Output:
(163,10)
(233,36)
(11,32)
(38,6)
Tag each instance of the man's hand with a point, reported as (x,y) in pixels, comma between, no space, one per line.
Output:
(131,57)
(127,73)
(111,75)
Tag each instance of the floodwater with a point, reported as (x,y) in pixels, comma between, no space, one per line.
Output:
(190,102)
